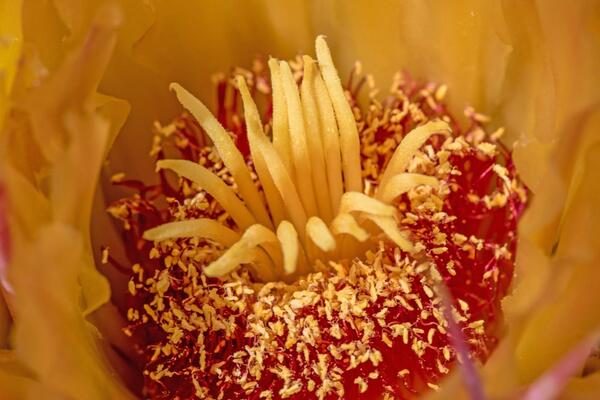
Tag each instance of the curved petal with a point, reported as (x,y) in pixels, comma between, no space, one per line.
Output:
(583,388)
(18,383)
(58,134)
(573,310)
(66,357)
(10,48)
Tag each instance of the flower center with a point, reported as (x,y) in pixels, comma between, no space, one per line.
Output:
(307,257)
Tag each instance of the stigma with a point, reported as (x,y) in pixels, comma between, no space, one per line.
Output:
(301,243)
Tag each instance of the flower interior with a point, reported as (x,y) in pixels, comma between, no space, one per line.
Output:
(299,242)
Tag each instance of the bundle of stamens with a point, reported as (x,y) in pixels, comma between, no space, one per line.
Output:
(310,263)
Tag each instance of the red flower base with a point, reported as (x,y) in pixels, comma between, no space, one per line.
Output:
(372,326)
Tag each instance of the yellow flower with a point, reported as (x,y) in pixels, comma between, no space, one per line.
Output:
(81,84)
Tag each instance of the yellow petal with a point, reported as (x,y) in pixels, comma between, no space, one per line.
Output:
(66,357)
(583,388)
(10,49)
(217,35)
(573,308)
(51,174)
(17,383)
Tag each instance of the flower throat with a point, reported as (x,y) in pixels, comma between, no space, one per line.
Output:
(303,252)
